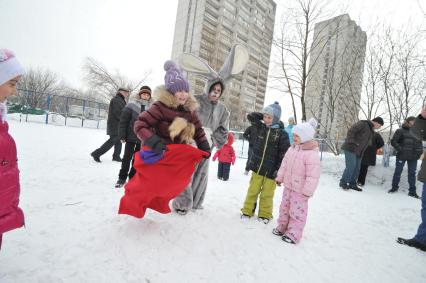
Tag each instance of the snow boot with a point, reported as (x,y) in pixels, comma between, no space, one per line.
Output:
(263,220)
(245,217)
(120,183)
(95,157)
(287,239)
(181,211)
(393,190)
(277,232)
(414,195)
(412,243)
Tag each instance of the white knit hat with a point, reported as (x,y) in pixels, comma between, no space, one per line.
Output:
(306,131)
(9,66)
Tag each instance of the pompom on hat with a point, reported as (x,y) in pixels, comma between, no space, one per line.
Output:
(174,80)
(306,131)
(273,110)
(9,66)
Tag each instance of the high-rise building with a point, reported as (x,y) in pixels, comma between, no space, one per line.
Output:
(209,28)
(333,91)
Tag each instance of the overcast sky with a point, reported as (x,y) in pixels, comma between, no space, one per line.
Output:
(130,35)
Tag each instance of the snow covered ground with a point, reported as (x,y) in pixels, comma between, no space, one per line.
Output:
(74,234)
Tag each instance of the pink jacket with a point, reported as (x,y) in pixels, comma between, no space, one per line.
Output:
(226,154)
(11,216)
(300,169)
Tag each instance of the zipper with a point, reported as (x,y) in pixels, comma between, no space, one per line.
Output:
(264,150)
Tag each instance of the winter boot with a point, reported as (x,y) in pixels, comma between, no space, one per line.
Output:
(118,159)
(263,220)
(287,239)
(245,217)
(277,232)
(344,187)
(120,183)
(413,194)
(181,211)
(355,188)
(95,157)
(393,190)
(412,243)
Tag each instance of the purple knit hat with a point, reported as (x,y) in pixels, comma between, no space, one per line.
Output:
(174,79)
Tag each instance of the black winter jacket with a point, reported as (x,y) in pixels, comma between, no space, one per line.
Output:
(369,157)
(128,117)
(407,146)
(269,147)
(116,104)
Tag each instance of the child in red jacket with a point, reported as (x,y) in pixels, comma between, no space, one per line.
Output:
(226,157)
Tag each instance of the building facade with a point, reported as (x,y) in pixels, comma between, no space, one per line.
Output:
(333,91)
(209,28)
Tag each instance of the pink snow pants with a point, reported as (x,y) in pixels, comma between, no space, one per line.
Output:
(293,213)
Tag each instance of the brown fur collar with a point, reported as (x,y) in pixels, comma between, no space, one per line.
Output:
(164,96)
(182,129)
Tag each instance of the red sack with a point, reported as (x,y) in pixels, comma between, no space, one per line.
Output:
(154,185)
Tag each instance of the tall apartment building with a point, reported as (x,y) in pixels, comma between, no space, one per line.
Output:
(209,28)
(333,91)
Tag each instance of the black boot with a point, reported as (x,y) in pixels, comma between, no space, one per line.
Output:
(95,157)
(393,190)
(120,183)
(413,194)
(412,243)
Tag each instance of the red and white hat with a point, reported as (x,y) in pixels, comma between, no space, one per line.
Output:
(9,66)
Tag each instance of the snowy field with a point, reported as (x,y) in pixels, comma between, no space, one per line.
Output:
(74,234)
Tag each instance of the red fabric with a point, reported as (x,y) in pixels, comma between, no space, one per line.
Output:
(154,185)
(226,154)
(11,216)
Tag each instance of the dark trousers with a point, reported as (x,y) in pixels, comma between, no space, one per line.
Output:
(128,159)
(223,170)
(353,164)
(421,232)
(250,152)
(362,174)
(412,167)
(113,141)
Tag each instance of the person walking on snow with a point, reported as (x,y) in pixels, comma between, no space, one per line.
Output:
(214,117)
(127,135)
(299,173)
(226,157)
(268,152)
(11,216)
(116,104)
(409,149)
(419,241)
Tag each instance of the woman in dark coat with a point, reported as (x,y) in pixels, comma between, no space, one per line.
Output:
(369,157)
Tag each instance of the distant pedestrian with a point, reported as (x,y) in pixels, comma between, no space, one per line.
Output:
(226,157)
(289,129)
(116,104)
(369,157)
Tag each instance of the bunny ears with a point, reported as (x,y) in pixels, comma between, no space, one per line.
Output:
(233,65)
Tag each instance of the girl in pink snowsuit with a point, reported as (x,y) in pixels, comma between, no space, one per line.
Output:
(11,216)
(299,173)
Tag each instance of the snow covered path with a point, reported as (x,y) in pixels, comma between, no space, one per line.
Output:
(73,232)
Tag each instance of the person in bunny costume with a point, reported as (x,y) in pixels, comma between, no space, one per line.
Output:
(299,172)
(213,114)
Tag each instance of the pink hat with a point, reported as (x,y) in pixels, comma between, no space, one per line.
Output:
(9,66)
(306,131)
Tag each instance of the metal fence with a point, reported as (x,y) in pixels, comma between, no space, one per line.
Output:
(48,108)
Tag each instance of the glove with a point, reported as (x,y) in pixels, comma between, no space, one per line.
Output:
(150,157)
(204,146)
(155,143)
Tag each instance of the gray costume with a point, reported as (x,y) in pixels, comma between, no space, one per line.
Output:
(213,116)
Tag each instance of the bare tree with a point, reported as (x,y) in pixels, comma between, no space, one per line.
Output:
(105,83)
(36,85)
(293,49)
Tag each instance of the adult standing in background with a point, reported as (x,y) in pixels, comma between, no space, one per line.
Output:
(369,157)
(409,149)
(357,140)
(116,104)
